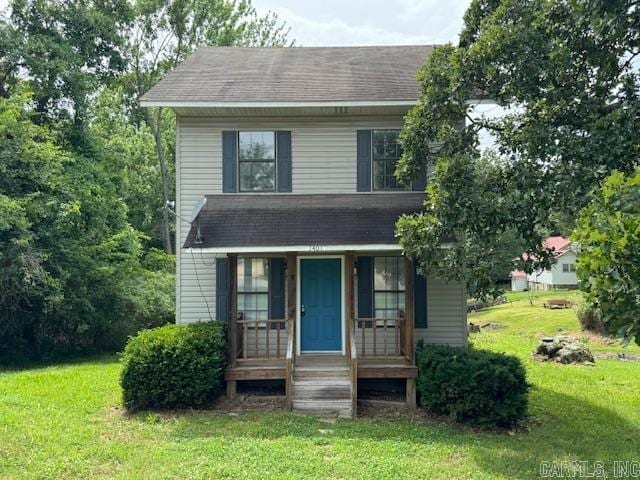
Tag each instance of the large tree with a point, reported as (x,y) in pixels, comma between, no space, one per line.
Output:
(163,34)
(566,73)
(66,50)
(73,274)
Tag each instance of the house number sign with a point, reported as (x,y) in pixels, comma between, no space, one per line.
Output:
(316,247)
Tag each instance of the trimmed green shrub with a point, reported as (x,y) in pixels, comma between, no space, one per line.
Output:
(472,386)
(174,366)
(591,320)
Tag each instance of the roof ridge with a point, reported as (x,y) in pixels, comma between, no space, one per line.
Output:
(300,47)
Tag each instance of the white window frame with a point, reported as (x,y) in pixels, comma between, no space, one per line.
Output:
(275,161)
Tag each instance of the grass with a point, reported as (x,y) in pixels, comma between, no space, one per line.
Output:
(64,421)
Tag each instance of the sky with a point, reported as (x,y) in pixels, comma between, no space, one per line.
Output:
(365,22)
(370,22)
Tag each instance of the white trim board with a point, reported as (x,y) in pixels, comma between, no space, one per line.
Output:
(342,302)
(319,249)
(204,104)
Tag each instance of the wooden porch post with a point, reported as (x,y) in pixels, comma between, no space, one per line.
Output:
(291,324)
(233,319)
(409,282)
(349,265)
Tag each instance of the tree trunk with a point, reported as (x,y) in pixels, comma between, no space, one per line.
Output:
(164,173)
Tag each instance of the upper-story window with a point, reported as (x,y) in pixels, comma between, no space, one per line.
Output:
(386,152)
(568,267)
(257,161)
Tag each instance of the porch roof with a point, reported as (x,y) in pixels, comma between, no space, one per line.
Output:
(236,221)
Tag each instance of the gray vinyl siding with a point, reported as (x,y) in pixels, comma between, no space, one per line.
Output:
(446,314)
(324,161)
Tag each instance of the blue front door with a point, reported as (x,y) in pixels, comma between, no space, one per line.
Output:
(320,305)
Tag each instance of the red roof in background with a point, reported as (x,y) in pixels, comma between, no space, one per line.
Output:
(559,244)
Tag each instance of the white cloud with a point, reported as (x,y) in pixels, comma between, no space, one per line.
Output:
(375,22)
(310,32)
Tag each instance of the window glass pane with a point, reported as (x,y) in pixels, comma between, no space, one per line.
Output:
(392,300)
(253,275)
(386,152)
(401,276)
(257,146)
(257,176)
(388,287)
(262,302)
(383,177)
(386,144)
(380,272)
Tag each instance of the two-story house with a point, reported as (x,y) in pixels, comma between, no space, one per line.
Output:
(284,164)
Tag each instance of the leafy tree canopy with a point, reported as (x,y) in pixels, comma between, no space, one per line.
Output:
(566,73)
(608,231)
(84,172)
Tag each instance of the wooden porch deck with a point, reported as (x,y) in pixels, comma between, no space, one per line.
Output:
(275,369)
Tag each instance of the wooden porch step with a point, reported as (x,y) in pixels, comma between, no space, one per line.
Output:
(322,386)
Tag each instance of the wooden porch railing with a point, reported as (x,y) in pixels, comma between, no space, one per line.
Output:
(262,338)
(380,337)
(290,366)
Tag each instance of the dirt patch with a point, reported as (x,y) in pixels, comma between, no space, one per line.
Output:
(594,338)
(623,356)
(244,403)
(387,410)
(493,326)
(474,328)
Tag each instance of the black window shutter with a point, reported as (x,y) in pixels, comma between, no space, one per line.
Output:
(229,161)
(222,289)
(276,289)
(420,182)
(363,162)
(365,287)
(420,301)
(283,149)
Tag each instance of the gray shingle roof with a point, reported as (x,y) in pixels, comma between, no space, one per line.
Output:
(296,74)
(296,220)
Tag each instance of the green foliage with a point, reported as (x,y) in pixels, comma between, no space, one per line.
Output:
(608,231)
(67,50)
(174,366)
(566,74)
(85,172)
(590,320)
(472,386)
(72,279)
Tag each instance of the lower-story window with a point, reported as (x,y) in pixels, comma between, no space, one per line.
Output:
(253,288)
(388,284)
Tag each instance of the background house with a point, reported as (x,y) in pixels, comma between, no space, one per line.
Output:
(561,275)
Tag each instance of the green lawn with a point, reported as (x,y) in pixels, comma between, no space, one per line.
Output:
(64,421)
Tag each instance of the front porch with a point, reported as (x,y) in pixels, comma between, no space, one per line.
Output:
(371,348)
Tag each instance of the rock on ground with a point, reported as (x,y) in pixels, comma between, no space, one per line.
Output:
(563,349)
